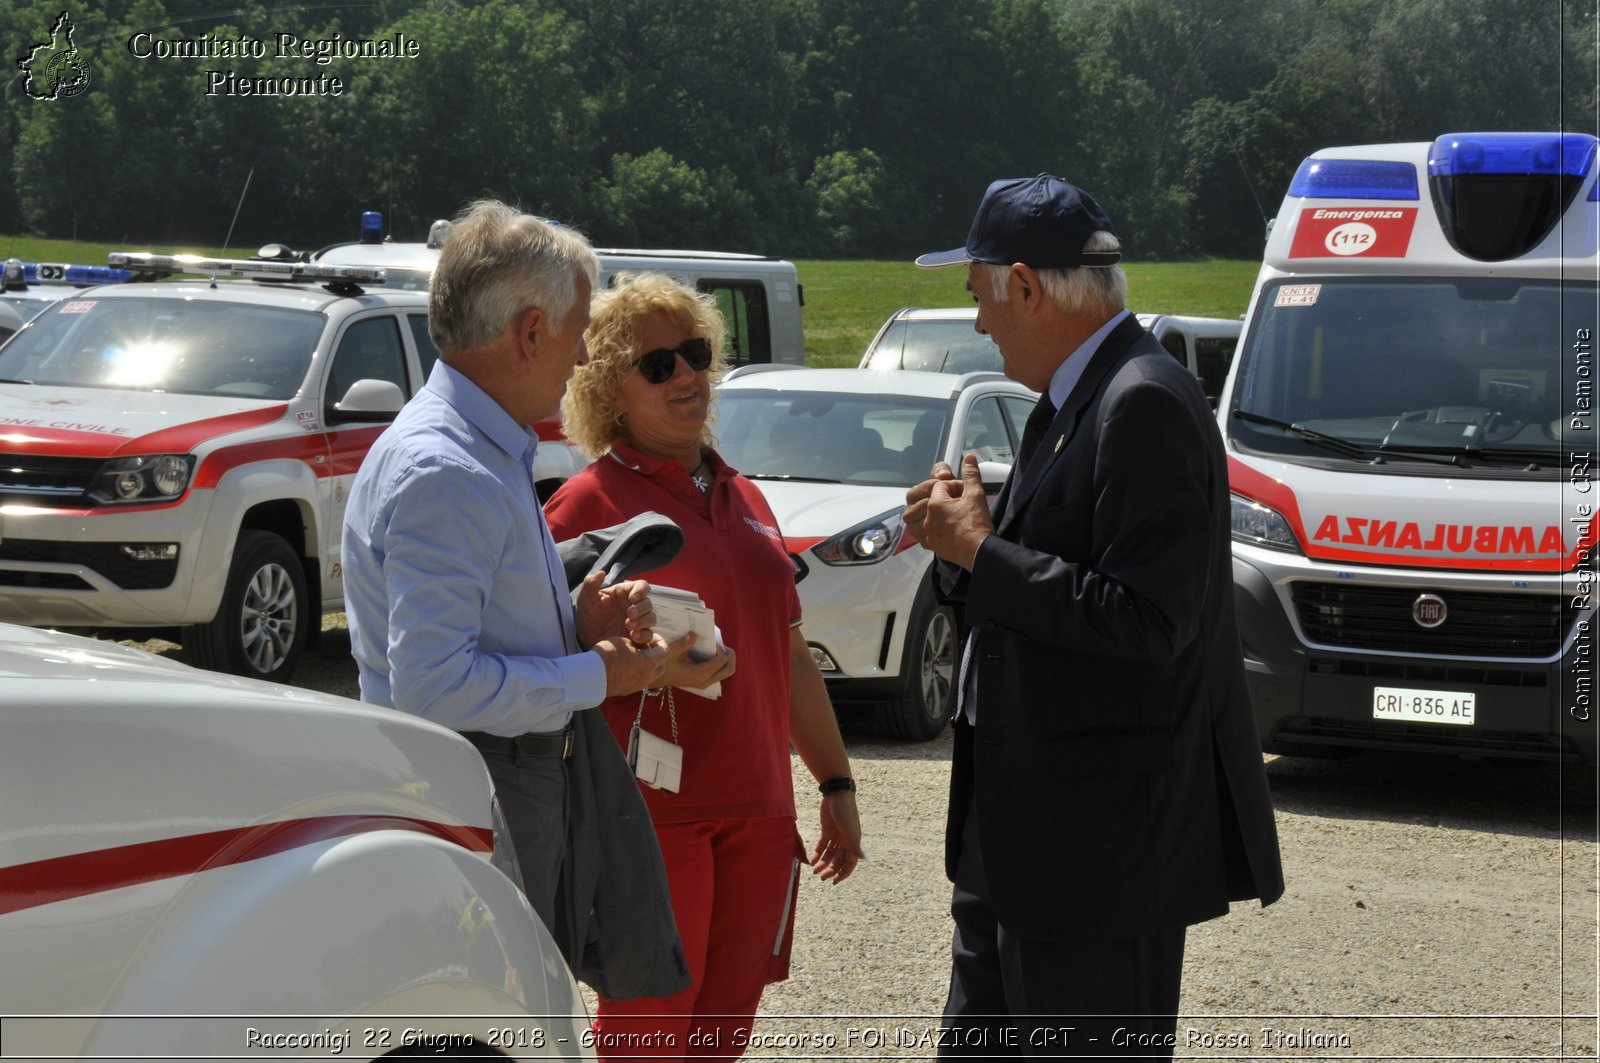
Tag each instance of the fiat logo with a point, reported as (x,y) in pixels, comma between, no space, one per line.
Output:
(1429,610)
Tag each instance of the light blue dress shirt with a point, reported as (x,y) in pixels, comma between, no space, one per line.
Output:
(457,605)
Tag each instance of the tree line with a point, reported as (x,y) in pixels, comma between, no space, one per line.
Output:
(803,128)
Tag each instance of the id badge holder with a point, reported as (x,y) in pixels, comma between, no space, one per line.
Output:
(655,761)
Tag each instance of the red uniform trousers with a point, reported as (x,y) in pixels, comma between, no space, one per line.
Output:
(733,887)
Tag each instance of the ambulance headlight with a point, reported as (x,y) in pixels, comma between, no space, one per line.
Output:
(1261,525)
(153,478)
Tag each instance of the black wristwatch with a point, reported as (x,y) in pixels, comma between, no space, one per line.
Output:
(837,785)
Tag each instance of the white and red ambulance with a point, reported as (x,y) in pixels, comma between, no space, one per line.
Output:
(1410,426)
(175,456)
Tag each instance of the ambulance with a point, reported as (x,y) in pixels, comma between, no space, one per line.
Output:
(1410,428)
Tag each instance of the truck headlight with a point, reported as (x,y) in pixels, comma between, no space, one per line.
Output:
(866,544)
(153,478)
(1261,525)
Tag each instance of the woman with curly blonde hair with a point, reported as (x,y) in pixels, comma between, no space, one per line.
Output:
(642,407)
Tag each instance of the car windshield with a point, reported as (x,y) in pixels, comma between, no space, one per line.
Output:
(194,346)
(1475,370)
(934,346)
(28,305)
(832,437)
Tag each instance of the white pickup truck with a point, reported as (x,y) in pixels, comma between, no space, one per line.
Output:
(175,456)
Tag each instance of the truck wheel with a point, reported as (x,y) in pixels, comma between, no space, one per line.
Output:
(260,627)
(928,672)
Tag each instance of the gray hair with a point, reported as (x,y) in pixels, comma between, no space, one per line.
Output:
(498,262)
(1080,289)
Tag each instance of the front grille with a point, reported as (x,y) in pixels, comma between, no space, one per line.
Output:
(1479,624)
(43,581)
(31,479)
(1449,675)
(1422,737)
(104,558)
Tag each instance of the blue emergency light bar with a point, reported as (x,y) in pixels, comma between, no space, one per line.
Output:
(66,273)
(1354,179)
(1518,154)
(371,227)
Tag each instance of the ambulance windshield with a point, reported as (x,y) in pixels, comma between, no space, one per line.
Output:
(1490,372)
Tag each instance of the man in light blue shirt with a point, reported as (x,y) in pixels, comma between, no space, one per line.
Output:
(457,603)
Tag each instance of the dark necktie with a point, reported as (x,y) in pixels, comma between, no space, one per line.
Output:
(1044,411)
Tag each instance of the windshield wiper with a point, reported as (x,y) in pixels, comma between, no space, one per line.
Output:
(1529,457)
(5,381)
(788,478)
(1343,446)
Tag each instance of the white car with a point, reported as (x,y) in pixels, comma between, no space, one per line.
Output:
(195,865)
(834,451)
(942,340)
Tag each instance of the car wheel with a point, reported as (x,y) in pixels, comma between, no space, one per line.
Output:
(260,628)
(928,673)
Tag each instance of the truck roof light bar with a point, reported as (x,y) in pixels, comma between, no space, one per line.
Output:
(245,269)
(16,274)
(1354,179)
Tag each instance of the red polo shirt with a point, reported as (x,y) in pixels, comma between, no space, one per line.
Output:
(735,748)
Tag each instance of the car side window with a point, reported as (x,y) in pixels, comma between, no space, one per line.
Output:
(427,353)
(1017,411)
(369,350)
(987,434)
(744,308)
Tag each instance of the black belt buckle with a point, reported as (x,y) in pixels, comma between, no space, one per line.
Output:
(555,744)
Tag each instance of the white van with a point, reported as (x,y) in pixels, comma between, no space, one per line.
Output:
(1410,430)
(760,298)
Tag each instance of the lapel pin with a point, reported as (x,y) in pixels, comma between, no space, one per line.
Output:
(1060,440)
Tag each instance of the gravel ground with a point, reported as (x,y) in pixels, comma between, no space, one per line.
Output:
(1436,908)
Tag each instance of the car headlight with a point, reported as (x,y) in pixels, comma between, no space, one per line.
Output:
(866,544)
(155,478)
(1261,525)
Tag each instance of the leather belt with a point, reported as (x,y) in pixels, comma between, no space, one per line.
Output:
(542,744)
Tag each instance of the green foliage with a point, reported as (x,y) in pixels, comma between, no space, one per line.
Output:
(792,127)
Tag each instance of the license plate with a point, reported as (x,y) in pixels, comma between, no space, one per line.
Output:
(1424,706)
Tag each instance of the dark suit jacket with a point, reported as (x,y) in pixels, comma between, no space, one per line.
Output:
(1115,761)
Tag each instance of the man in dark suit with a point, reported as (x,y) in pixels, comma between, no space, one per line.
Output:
(1107,789)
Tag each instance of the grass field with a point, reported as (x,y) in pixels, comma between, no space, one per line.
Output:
(846,301)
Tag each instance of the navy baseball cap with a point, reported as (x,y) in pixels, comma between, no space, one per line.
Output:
(1040,221)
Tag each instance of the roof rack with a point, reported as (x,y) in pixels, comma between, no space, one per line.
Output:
(246,269)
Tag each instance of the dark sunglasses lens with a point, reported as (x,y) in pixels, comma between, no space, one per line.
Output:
(658,365)
(697,353)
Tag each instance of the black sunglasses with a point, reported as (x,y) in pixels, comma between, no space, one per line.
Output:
(659,365)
